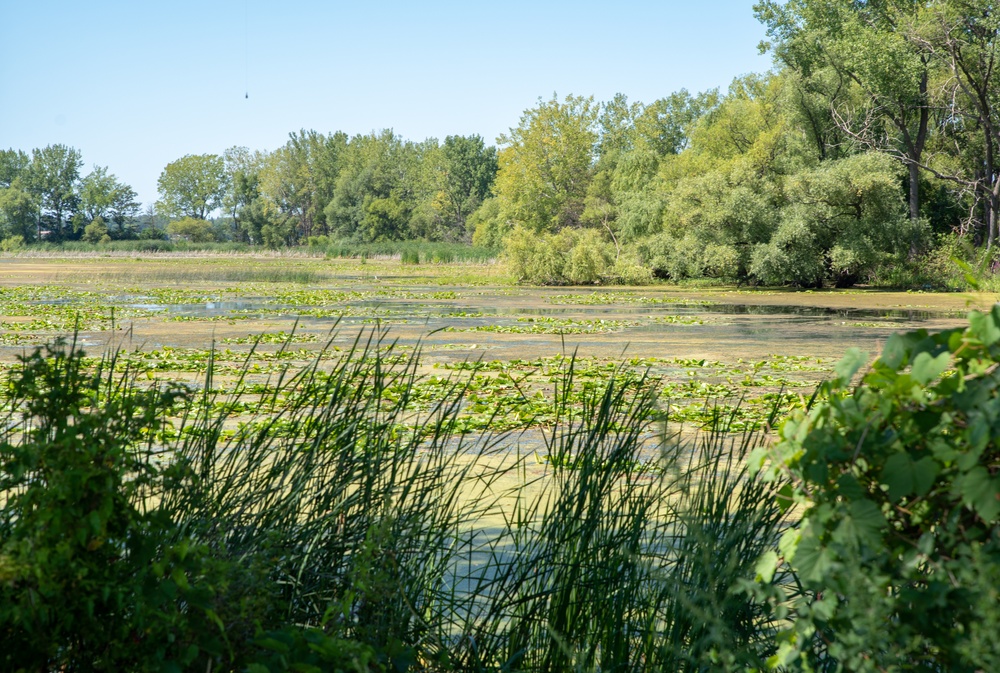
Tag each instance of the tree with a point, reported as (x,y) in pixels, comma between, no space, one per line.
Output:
(723,194)
(18,213)
(469,171)
(18,207)
(965,35)
(843,218)
(104,197)
(13,164)
(193,186)
(877,47)
(547,163)
(52,178)
(299,179)
(376,189)
(191,229)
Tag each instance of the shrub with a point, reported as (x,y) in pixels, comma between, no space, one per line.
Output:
(557,259)
(87,574)
(628,270)
(191,229)
(898,481)
(96,231)
(12,243)
(589,258)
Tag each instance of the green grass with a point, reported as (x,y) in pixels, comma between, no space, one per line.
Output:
(322,499)
(411,252)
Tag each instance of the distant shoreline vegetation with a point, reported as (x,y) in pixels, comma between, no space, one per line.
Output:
(868,155)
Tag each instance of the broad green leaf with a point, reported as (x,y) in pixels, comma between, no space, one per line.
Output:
(766,565)
(925,471)
(849,365)
(867,519)
(927,368)
(848,486)
(895,352)
(813,560)
(785,497)
(983,326)
(980,492)
(897,474)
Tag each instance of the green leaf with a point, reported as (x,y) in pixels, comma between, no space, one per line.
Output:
(766,565)
(848,487)
(925,471)
(895,353)
(849,365)
(926,368)
(980,492)
(984,327)
(868,519)
(897,474)
(813,560)
(785,497)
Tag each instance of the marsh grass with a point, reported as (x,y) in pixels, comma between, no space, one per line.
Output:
(412,252)
(225,273)
(333,508)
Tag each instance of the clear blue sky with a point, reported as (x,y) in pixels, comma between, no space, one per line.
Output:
(134,85)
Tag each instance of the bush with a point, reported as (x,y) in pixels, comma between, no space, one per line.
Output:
(898,482)
(628,270)
(12,243)
(87,574)
(96,231)
(191,229)
(589,258)
(578,257)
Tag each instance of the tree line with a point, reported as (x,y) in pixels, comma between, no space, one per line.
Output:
(869,152)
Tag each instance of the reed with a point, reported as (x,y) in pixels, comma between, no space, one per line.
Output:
(326,514)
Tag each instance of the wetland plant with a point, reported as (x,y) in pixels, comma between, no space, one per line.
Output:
(152,527)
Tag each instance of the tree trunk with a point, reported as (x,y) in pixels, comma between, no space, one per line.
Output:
(914,207)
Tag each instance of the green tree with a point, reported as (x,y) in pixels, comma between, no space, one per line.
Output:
(18,213)
(376,189)
(547,163)
(723,194)
(877,47)
(965,36)
(13,164)
(191,229)
(299,180)
(469,171)
(96,231)
(243,199)
(104,197)
(52,179)
(18,207)
(192,186)
(843,218)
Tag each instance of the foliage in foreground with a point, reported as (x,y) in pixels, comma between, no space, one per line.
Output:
(138,532)
(897,553)
(154,528)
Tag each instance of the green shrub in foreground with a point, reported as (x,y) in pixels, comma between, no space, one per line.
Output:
(897,553)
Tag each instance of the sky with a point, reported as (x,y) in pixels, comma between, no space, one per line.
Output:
(135,85)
